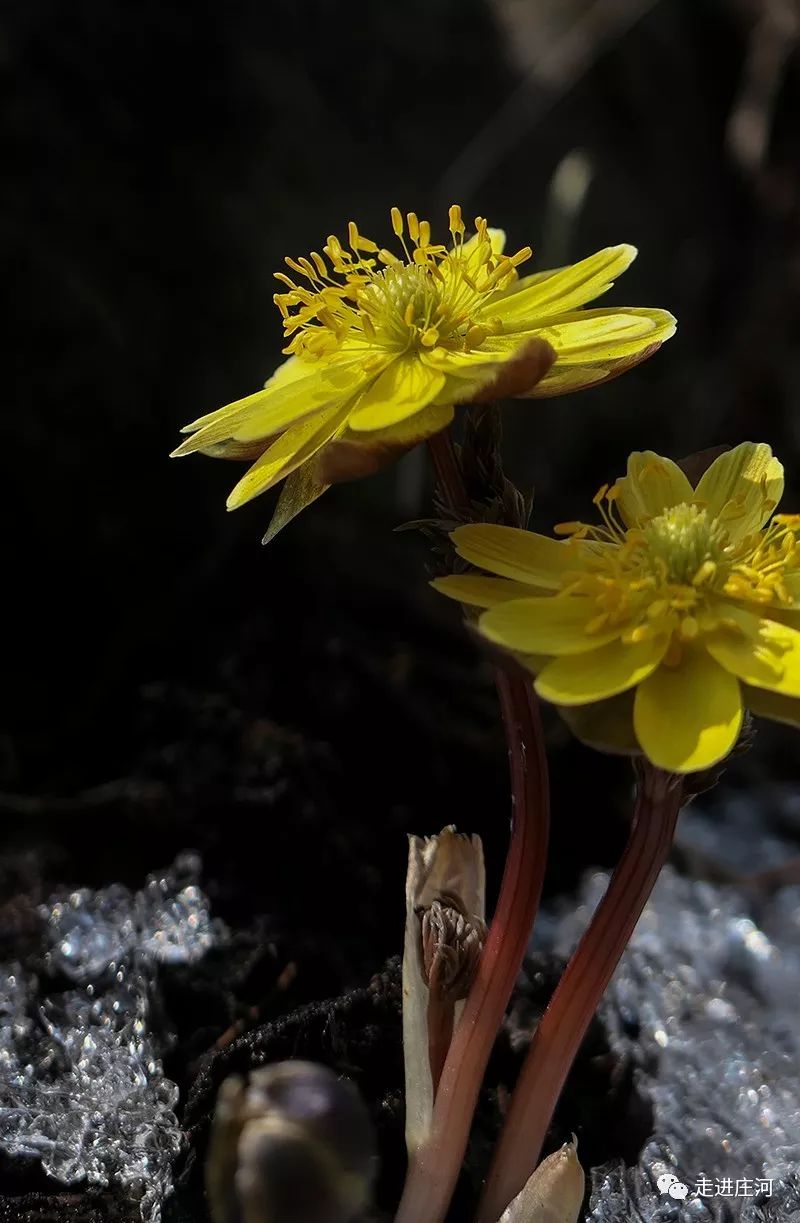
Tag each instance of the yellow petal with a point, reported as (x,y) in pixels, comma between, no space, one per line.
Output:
(653,484)
(688,717)
(237,451)
(576,679)
(742,486)
(763,652)
(301,488)
(565,289)
(474,363)
(352,455)
(587,337)
(268,412)
(295,400)
(290,370)
(479,376)
(563,380)
(478,591)
(525,282)
(406,386)
(772,705)
(513,553)
(553,624)
(291,449)
(497,237)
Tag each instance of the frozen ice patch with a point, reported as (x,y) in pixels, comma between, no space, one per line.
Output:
(82,1087)
(704,1007)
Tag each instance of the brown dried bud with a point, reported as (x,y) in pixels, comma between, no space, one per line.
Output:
(451,949)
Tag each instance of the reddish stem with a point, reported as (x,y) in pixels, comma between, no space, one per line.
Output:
(449,476)
(434,1170)
(564,1023)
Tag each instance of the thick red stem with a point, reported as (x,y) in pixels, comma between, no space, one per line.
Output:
(449,476)
(564,1023)
(434,1168)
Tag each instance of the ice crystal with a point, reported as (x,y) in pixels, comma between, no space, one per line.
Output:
(82,1088)
(704,1006)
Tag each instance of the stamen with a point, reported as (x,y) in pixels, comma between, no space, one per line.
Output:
(320,264)
(457,226)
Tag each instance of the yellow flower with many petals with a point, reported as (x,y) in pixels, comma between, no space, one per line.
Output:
(381,347)
(686,599)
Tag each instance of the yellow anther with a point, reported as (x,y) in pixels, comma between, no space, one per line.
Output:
(522,256)
(568,528)
(408,314)
(358,242)
(657,609)
(501,272)
(430,338)
(320,264)
(424,233)
(475,336)
(600,494)
(397,222)
(457,226)
(413,225)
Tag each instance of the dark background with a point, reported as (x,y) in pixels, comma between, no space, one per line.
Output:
(293,712)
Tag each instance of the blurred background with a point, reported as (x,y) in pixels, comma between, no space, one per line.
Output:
(293,712)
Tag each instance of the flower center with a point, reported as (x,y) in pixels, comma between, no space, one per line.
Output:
(403,304)
(683,543)
(672,574)
(376,300)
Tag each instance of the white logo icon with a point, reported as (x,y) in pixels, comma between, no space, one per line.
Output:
(669,1183)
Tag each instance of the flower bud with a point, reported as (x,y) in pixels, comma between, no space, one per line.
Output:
(293,1145)
(554,1193)
(451,948)
(445,932)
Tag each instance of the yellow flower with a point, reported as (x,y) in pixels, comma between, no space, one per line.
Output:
(686,599)
(381,347)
